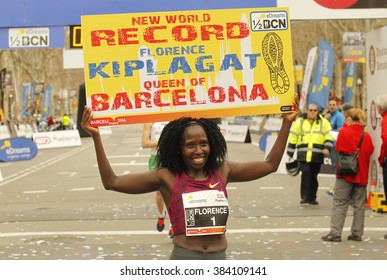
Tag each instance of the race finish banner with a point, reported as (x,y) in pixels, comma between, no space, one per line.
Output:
(147,67)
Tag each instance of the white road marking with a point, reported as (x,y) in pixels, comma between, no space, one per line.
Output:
(71,174)
(126,164)
(32,169)
(130,156)
(271,188)
(153,232)
(36,191)
(327,175)
(82,189)
(130,141)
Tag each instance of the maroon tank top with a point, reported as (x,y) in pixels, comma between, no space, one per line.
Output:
(185,184)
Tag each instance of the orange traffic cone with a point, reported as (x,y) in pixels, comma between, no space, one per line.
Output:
(368,205)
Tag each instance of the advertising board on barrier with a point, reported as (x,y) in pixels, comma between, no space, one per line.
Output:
(235,133)
(335,9)
(57,139)
(32,37)
(4,132)
(146,67)
(15,149)
(24,130)
(376,66)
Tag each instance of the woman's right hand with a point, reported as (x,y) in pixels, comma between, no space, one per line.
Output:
(87,116)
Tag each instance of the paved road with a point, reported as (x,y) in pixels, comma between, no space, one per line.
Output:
(54,207)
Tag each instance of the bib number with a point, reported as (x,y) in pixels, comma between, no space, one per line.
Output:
(206,212)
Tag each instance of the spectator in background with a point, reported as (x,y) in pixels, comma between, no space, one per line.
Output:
(50,121)
(336,119)
(42,124)
(381,104)
(310,135)
(66,121)
(345,107)
(351,188)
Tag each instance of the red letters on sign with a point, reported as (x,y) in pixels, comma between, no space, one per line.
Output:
(162,33)
(177,97)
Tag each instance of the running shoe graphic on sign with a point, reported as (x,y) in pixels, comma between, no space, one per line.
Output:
(272,50)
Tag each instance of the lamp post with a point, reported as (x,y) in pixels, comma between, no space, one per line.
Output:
(359,83)
(10,96)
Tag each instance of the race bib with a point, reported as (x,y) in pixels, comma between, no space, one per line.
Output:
(206,212)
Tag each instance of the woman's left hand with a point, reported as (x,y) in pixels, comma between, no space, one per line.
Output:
(292,115)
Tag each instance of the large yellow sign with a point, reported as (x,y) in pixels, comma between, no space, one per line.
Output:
(147,67)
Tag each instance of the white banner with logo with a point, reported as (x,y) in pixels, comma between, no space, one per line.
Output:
(29,37)
(376,51)
(354,47)
(307,76)
(334,9)
(57,139)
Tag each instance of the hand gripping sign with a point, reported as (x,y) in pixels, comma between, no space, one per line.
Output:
(159,66)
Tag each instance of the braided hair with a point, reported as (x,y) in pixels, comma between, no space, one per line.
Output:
(171,140)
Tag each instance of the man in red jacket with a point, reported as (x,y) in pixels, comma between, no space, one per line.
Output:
(381,104)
